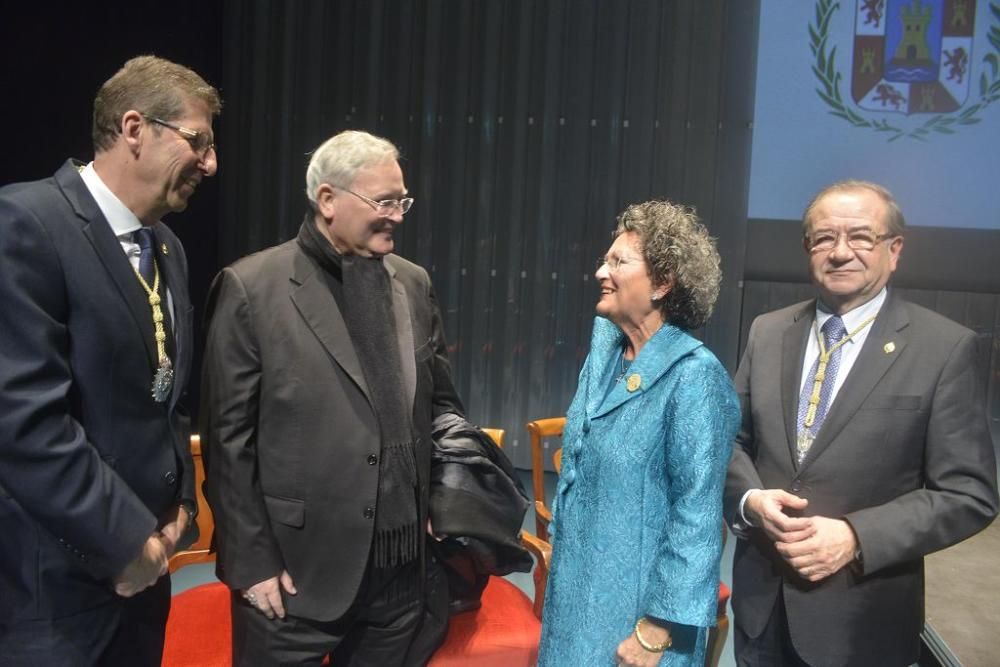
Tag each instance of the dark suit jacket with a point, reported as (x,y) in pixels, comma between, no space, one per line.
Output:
(292,439)
(904,455)
(87,459)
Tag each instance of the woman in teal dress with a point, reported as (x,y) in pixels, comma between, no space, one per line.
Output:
(637,514)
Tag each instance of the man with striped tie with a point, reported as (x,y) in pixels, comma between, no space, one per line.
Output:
(864,447)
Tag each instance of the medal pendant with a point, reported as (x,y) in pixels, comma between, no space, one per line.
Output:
(163,382)
(804,442)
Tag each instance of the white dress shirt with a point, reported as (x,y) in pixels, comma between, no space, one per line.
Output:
(848,355)
(850,350)
(123,221)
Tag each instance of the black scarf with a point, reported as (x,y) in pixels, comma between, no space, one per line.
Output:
(362,288)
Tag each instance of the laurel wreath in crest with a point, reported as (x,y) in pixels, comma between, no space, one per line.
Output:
(826,71)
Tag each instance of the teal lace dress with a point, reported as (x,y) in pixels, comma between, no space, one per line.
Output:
(638,508)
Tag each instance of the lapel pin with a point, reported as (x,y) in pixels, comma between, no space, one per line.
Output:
(633,382)
(889,347)
(163,248)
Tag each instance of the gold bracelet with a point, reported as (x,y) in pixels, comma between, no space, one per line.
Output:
(652,648)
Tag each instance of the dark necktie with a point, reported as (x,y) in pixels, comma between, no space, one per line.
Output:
(833,330)
(144,237)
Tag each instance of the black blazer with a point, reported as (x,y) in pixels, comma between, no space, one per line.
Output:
(292,441)
(904,455)
(88,460)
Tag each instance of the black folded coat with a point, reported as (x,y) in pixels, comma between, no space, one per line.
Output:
(478,504)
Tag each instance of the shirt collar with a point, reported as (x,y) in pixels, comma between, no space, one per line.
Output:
(854,317)
(122,220)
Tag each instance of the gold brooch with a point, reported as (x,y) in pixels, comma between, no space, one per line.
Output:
(163,249)
(633,382)
(889,347)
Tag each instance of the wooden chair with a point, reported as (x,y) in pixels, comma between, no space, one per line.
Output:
(717,635)
(503,632)
(537,546)
(538,431)
(496,433)
(199,551)
(553,427)
(506,628)
(199,627)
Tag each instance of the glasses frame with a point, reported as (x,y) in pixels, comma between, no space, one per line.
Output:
(615,263)
(385,207)
(193,137)
(847,234)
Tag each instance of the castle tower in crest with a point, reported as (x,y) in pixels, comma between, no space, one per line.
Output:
(912,50)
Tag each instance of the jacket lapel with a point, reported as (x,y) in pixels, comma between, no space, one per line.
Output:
(793,350)
(168,257)
(318,308)
(605,343)
(871,365)
(658,355)
(98,231)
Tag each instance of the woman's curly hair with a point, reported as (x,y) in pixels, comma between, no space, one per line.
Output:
(680,253)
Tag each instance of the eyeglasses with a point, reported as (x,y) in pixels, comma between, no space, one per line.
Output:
(857,239)
(385,207)
(615,263)
(200,142)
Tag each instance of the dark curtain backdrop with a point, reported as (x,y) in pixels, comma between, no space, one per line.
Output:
(525,127)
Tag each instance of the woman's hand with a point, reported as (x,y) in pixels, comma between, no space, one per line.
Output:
(631,652)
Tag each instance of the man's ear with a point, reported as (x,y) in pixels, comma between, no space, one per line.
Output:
(131,130)
(325,200)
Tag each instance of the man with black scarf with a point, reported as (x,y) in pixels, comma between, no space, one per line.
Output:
(324,369)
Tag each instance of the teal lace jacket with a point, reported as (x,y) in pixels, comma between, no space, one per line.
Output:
(638,509)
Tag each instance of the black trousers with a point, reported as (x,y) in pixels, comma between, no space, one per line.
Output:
(376,631)
(120,633)
(773,648)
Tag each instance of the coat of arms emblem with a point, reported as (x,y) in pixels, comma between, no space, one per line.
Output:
(912,56)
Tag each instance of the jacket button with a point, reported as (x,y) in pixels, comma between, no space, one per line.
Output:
(372,459)
(796,486)
(170,478)
(369,512)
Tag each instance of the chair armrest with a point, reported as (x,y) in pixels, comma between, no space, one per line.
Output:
(542,551)
(543,513)
(543,517)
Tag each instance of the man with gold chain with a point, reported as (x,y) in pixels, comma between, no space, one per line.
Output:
(864,447)
(96,478)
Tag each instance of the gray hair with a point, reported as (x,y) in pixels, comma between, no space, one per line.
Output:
(677,249)
(894,221)
(149,85)
(339,159)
